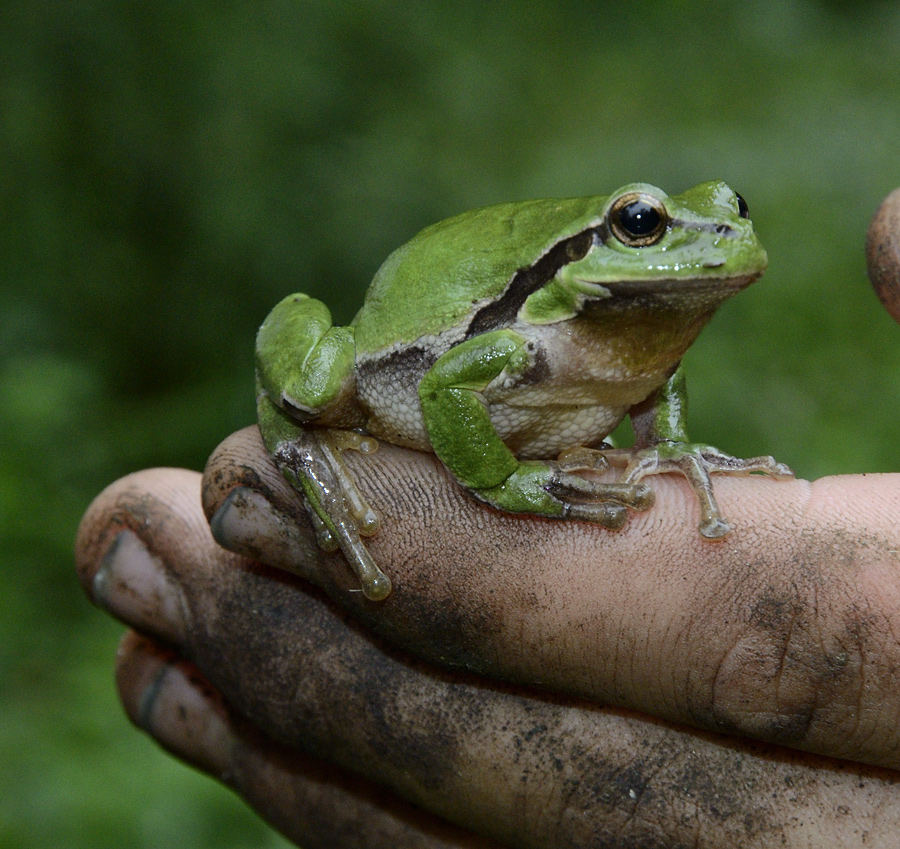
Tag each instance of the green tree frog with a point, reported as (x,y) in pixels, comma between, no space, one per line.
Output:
(510,341)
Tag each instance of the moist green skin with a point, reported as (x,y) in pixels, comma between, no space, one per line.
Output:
(503,336)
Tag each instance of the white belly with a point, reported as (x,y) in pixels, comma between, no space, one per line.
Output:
(536,433)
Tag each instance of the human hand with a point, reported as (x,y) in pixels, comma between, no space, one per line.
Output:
(785,632)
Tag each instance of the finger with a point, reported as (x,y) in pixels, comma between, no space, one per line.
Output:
(786,631)
(883,253)
(505,763)
(310,801)
(130,541)
(307,799)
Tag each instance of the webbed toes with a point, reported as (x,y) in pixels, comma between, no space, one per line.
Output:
(573,489)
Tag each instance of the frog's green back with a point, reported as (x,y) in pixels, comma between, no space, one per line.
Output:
(430,283)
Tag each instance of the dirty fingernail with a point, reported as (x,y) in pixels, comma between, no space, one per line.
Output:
(134,585)
(248,524)
(168,699)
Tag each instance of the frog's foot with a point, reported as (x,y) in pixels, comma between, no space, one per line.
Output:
(313,464)
(545,489)
(571,487)
(697,463)
(581,495)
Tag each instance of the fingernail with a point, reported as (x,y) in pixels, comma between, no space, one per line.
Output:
(248,524)
(166,698)
(134,585)
(186,717)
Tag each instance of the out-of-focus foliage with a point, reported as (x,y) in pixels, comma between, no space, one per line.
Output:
(168,170)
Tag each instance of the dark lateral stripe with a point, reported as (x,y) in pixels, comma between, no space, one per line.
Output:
(414,360)
(526,281)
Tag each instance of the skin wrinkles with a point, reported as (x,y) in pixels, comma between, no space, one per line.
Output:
(860,709)
(781,661)
(773,649)
(808,657)
(673,697)
(726,607)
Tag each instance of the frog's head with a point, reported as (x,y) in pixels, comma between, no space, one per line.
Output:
(692,250)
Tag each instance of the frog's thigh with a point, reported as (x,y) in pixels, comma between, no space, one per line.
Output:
(303,362)
(456,417)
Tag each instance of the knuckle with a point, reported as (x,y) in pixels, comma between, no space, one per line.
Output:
(796,671)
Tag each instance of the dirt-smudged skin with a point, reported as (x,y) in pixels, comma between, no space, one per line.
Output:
(642,770)
(522,766)
(787,655)
(787,632)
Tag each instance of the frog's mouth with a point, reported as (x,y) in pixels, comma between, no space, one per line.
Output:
(726,284)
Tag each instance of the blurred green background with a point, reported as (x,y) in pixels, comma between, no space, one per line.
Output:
(169,170)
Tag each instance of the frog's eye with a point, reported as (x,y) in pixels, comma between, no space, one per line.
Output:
(638,219)
(743,210)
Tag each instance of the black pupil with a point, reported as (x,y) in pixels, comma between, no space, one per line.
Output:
(742,207)
(639,218)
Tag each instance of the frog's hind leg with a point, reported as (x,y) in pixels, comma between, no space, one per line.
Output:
(305,373)
(306,365)
(310,459)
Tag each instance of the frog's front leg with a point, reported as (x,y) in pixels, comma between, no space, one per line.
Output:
(304,372)
(463,437)
(662,445)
